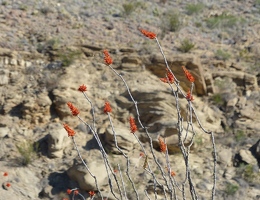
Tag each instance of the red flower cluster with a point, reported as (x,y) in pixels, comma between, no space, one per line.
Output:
(173,173)
(5,174)
(148,34)
(188,75)
(69,130)
(82,88)
(69,191)
(162,144)
(189,96)
(142,154)
(8,185)
(107,107)
(107,58)
(73,109)
(169,78)
(133,126)
(91,193)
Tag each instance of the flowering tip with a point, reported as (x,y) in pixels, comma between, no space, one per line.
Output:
(107,107)
(133,126)
(73,109)
(188,75)
(70,131)
(148,34)
(169,77)
(82,88)
(107,58)
(69,191)
(91,193)
(162,145)
(189,96)
(173,173)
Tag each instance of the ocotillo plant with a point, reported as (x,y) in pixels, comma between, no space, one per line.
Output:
(164,176)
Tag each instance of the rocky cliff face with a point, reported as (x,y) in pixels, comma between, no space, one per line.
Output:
(48,49)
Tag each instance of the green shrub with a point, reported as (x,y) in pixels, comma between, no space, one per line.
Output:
(67,58)
(222,55)
(186,45)
(231,189)
(129,8)
(240,135)
(223,21)
(218,99)
(194,8)
(28,151)
(171,21)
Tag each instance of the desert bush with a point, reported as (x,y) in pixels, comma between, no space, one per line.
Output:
(68,57)
(224,21)
(129,8)
(171,21)
(194,8)
(121,182)
(186,45)
(222,55)
(231,189)
(218,99)
(28,152)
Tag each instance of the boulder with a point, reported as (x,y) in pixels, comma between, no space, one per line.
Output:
(125,139)
(81,175)
(57,140)
(192,63)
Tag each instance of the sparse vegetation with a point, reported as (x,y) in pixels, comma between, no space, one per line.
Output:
(222,55)
(231,189)
(240,135)
(68,57)
(223,21)
(194,8)
(186,45)
(27,150)
(130,7)
(218,99)
(170,21)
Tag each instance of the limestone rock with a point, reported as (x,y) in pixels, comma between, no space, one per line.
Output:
(247,157)
(192,63)
(4,77)
(125,140)
(57,140)
(225,156)
(86,182)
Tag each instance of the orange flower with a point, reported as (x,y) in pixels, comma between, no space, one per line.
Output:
(69,130)
(107,58)
(173,173)
(8,185)
(73,109)
(107,107)
(69,191)
(188,75)
(141,154)
(76,192)
(91,193)
(148,34)
(82,88)
(133,126)
(5,174)
(189,96)
(169,78)
(162,144)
